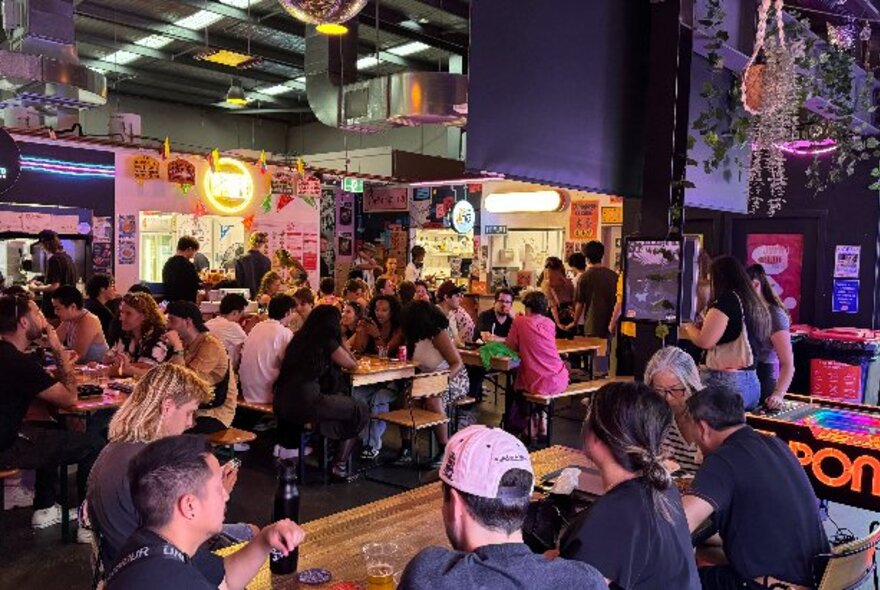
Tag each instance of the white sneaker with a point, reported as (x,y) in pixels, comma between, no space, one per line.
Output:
(17,497)
(46,517)
(84,536)
(285,453)
(241,447)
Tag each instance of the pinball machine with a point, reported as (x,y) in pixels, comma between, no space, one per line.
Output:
(837,443)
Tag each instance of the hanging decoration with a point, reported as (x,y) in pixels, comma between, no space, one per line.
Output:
(328,16)
(842,36)
(166,149)
(200,209)
(266,205)
(754,73)
(182,172)
(283,201)
(264,167)
(145,168)
(248,222)
(213,159)
(300,167)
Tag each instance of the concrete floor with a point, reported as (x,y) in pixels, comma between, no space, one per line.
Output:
(38,559)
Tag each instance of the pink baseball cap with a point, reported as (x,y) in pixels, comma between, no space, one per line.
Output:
(477,457)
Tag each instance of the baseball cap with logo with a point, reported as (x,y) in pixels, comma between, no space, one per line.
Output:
(477,457)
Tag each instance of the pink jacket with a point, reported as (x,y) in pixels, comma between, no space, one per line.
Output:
(541,369)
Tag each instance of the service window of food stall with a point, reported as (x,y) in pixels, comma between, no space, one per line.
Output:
(518,256)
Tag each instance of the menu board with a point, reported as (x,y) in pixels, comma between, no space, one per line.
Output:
(652,280)
(385,199)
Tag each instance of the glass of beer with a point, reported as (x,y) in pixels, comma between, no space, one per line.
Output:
(381,560)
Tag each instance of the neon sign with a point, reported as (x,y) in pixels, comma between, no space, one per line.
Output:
(67,168)
(835,469)
(229,188)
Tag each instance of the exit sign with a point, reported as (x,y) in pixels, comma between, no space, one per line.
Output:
(353,185)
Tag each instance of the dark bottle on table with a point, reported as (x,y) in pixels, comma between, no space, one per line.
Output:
(286,506)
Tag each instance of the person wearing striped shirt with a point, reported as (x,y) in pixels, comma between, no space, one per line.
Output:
(673,374)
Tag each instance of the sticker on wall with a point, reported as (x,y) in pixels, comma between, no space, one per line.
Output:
(183,173)
(127,251)
(145,168)
(846,262)
(127,226)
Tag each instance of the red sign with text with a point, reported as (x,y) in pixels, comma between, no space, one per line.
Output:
(782,256)
(835,380)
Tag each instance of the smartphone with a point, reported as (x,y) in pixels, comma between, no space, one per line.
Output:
(234,464)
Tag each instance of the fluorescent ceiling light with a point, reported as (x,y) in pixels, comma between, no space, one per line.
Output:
(275,90)
(121,57)
(531,202)
(199,20)
(240,3)
(365,63)
(301,79)
(154,41)
(408,48)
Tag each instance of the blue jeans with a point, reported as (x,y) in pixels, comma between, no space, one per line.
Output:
(378,398)
(744,382)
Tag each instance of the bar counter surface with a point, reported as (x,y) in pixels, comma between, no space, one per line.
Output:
(411,519)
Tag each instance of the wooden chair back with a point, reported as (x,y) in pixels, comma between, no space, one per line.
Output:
(429,385)
(852,563)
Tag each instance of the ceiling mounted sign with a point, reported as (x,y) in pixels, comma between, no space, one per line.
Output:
(145,168)
(229,187)
(10,161)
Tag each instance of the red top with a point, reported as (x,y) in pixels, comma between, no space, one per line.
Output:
(541,369)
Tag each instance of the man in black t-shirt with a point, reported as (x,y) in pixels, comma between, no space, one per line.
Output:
(180,281)
(757,495)
(492,325)
(101,290)
(60,270)
(177,489)
(27,446)
(250,268)
(487,481)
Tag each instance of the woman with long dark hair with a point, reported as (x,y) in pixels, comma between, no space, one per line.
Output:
(382,325)
(559,291)
(636,534)
(776,364)
(306,390)
(734,332)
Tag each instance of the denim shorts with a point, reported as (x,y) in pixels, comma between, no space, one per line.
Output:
(744,382)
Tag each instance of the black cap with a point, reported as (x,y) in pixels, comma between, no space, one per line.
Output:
(46,235)
(187,309)
(448,289)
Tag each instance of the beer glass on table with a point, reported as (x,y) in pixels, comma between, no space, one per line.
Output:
(381,560)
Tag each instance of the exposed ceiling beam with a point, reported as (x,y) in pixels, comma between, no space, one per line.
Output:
(108,14)
(392,22)
(453,7)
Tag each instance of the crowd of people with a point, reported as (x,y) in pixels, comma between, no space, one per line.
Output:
(156,493)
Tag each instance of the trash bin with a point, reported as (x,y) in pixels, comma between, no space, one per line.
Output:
(840,363)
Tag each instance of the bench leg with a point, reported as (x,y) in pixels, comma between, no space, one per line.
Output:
(64,498)
(301,458)
(550,423)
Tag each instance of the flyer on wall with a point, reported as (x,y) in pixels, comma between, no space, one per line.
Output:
(846,262)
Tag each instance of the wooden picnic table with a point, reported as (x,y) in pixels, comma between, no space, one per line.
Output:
(411,519)
(372,370)
(578,345)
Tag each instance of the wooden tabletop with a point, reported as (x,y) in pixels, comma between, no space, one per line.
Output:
(411,519)
(372,369)
(111,400)
(579,345)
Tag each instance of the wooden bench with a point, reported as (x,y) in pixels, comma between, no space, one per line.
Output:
(255,407)
(574,390)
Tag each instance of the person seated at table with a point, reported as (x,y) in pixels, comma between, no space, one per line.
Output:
(162,404)
(757,496)
(27,445)
(406,291)
(431,348)
(673,374)
(270,286)
(386,286)
(541,371)
(227,326)
(355,290)
(493,325)
(307,389)
(194,347)
(141,343)
(177,489)
(380,333)
(80,330)
(461,324)
(327,293)
(351,320)
(423,292)
(263,351)
(303,303)
(487,483)
(101,290)
(636,534)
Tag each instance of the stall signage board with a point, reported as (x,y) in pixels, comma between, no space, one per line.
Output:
(845,296)
(583,221)
(495,230)
(612,215)
(386,199)
(463,217)
(10,161)
(353,185)
(229,187)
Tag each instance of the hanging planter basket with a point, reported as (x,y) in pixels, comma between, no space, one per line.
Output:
(753,75)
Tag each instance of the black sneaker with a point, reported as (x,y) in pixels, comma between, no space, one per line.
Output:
(404,458)
(369,454)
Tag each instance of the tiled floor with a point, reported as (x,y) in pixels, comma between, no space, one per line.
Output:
(40,560)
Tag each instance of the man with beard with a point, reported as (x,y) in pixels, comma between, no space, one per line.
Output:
(27,445)
(487,480)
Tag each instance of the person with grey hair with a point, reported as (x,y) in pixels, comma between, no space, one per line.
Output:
(673,374)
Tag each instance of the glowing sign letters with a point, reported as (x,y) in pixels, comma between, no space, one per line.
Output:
(229,188)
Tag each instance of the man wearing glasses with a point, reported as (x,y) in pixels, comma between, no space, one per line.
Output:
(27,445)
(493,325)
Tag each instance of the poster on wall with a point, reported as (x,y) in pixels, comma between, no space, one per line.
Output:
(652,280)
(127,226)
(102,230)
(845,296)
(385,199)
(127,251)
(102,257)
(846,262)
(782,257)
(583,221)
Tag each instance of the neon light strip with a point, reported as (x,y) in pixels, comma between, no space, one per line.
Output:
(808,148)
(67,168)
